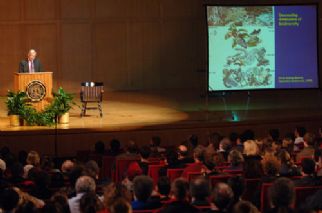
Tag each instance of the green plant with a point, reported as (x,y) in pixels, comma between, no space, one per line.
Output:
(16,102)
(62,102)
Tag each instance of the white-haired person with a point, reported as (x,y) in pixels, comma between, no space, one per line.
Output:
(31,64)
(84,184)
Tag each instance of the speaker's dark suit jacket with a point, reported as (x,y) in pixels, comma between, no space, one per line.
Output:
(24,66)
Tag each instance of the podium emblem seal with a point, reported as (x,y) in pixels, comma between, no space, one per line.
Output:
(36,91)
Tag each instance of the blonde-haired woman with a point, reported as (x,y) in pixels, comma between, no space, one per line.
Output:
(252,160)
(33,160)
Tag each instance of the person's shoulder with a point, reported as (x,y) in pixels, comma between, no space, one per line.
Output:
(23,61)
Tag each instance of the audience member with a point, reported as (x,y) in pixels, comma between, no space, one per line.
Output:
(145,152)
(183,155)
(197,166)
(121,205)
(308,172)
(155,144)
(99,148)
(252,160)
(288,168)
(180,198)
(89,203)
(84,184)
(299,133)
(308,149)
(142,188)
(224,147)
(222,198)
(163,188)
(200,191)
(9,200)
(115,148)
(245,207)
(235,160)
(282,194)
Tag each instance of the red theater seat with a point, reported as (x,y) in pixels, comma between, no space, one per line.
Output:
(121,168)
(174,174)
(153,172)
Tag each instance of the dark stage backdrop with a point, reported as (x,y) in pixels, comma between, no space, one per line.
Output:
(128,44)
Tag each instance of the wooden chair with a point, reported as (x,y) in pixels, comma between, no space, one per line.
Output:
(91,92)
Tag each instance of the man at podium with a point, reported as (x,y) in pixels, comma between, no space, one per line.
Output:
(31,64)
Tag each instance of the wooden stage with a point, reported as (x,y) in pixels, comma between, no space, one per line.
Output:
(172,115)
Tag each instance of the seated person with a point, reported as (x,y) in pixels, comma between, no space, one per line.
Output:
(237,184)
(222,198)
(224,148)
(99,148)
(163,188)
(235,159)
(245,207)
(183,155)
(143,187)
(115,148)
(200,191)
(171,162)
(197,166)
(282,195)
(308,172)
(271,167)
(156,149)
(180,198)
(144,161)
(308,150)
(288,168)
(299,133)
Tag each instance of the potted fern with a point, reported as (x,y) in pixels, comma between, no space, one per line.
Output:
(61,105)
(16,103)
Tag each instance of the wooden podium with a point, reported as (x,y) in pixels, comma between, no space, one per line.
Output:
(38,87)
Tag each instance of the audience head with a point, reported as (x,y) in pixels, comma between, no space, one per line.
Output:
(214,139)
(237,184)
(164,186)
(247,135)
(222,196)
(67,166)
(180,189)
(235,158)
(172,157)
(245,207)
(271,166)
(100,147)
(16,170)
(89,203)
(142,187)
(9,199)
(145,152)
(282,193)
(132,148)
(22,157)
(85,184)
(198,153)
(120,205)
(274,134)
(3,165)
(33,158)
(225,144)
(308,166)
(309,139)
(183,151)
(61,200)
(251,148)
(75,173)
(200,188)
(155,141)
(92,169)
(285,157)
(193,141)
(234,138)
(115,145)
(299,131)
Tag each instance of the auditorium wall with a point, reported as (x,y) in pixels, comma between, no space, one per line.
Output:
(127,44)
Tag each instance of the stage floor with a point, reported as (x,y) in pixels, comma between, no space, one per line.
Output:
(124,111)
(172,115)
